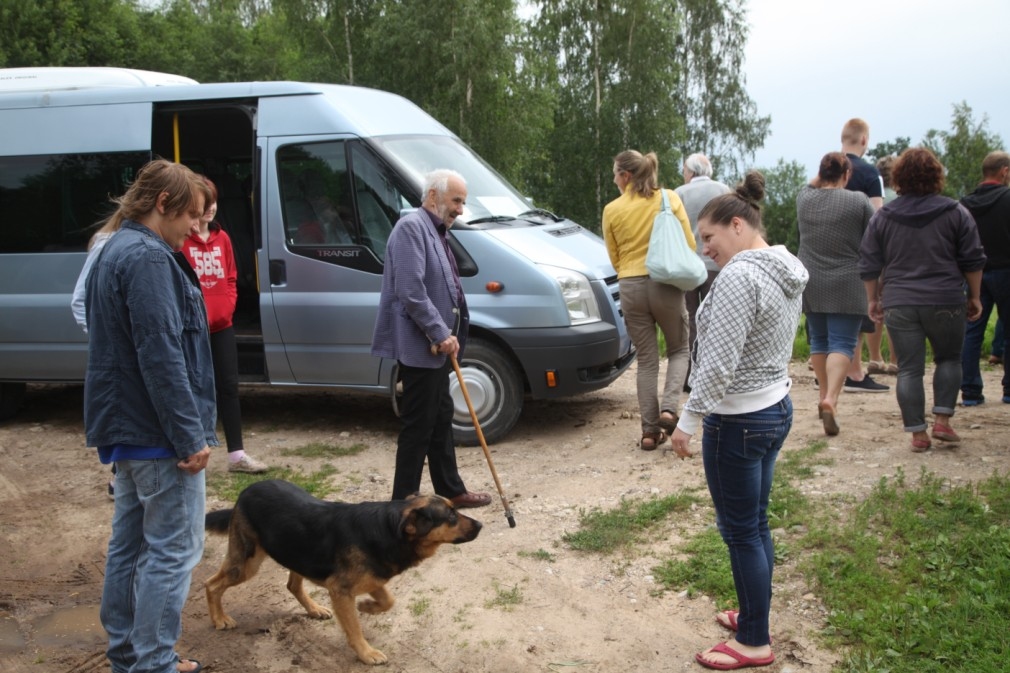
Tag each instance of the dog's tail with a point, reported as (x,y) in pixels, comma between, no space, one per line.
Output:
(217,521)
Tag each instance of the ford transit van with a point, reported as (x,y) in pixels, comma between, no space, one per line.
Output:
(312,178)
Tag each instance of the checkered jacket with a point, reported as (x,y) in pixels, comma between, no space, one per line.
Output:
(746,327)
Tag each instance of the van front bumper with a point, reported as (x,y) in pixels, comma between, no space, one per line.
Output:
(583,358)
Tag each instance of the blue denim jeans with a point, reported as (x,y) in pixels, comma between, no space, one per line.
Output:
(833,332)
(739,453)
(157,540)
(910,327)
(995,292)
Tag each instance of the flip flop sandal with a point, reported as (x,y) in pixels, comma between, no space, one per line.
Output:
(827,414)
(731,617)
(742,660)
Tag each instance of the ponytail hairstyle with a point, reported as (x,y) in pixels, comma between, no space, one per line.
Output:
(644,171)
(743,202)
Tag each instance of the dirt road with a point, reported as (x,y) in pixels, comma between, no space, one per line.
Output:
(512,600)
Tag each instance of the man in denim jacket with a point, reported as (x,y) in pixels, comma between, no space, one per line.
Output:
(149,408)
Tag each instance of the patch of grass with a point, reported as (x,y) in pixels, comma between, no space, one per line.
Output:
(787,506)
(918,579)
(228,485)
(418,606)
(606,531)
(323,450)
(703,569)
(538,555)
(506,599)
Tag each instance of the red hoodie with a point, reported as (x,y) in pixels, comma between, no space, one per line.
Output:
(214,263)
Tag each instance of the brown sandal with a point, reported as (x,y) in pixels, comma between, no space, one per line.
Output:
(651,440)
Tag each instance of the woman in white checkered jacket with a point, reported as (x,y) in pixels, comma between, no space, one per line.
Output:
(740,398)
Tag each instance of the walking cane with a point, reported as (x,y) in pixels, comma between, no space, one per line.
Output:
(483,443)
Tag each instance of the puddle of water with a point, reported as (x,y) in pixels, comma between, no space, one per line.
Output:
(10,635)
(78,625)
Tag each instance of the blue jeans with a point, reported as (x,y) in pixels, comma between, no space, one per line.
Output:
(995,292)
(833,332)
(157,540)
(739,453)
(910,327)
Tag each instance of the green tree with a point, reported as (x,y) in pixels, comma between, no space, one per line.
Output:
(614,81)
(778,213)
(887,148)
(962,149)
(67,32)
(720,118)
(466,64)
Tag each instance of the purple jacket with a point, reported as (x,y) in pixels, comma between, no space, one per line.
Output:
(921,247)
(419,305)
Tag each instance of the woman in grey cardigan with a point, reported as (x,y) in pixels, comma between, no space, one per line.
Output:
(832,220)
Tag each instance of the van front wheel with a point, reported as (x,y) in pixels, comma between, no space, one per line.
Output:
(494,383)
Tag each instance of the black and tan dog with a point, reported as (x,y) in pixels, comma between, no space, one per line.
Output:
(349,549)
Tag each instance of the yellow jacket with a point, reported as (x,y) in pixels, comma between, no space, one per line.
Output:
(627,226)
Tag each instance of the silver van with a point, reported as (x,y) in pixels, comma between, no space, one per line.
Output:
(543,296)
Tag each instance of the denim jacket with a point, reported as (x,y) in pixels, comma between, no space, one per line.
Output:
(150,378)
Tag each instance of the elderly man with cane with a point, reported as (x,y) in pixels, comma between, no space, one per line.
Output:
(422,309)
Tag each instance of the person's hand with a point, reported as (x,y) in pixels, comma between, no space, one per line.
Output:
(195,463)
(875,310)
(449,346)
(974,309)
(678,442)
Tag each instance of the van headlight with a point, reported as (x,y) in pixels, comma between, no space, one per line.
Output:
(577,294)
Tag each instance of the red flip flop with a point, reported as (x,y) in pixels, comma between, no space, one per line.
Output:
(742,660)
(730,622)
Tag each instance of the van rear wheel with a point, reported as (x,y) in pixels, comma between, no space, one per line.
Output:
(494,383)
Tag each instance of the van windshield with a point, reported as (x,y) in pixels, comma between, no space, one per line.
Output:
(488,194)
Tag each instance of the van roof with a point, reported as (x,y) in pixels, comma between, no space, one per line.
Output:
(61,79)
(359,110)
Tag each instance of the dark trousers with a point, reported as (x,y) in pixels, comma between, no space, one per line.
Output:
(426,409)
(229,411)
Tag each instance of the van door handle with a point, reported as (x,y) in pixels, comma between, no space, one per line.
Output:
(278,272)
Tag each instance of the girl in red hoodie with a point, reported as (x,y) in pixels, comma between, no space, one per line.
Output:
(208,248)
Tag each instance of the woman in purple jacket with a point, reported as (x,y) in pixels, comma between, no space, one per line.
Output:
(923,248)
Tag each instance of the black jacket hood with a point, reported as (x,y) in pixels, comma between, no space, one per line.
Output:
(984,198)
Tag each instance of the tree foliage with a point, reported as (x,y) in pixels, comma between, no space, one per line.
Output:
(962,149)
(778,213)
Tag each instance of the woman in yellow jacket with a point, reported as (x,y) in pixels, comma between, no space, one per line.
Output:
(627,226)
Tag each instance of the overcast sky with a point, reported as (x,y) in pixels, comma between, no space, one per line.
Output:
(898,64)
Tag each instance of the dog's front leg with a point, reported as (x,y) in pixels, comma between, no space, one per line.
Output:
(347,614)
(381,601)
(296,585)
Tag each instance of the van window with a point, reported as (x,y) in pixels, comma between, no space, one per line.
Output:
(50,203)
(332,199)
(488,194)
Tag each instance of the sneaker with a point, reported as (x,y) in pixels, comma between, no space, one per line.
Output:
(248,464)
(867,385)
(1006,399)
(995,360)
(972,401)
(112,490)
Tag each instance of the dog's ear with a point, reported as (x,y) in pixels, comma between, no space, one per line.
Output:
(416,523)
